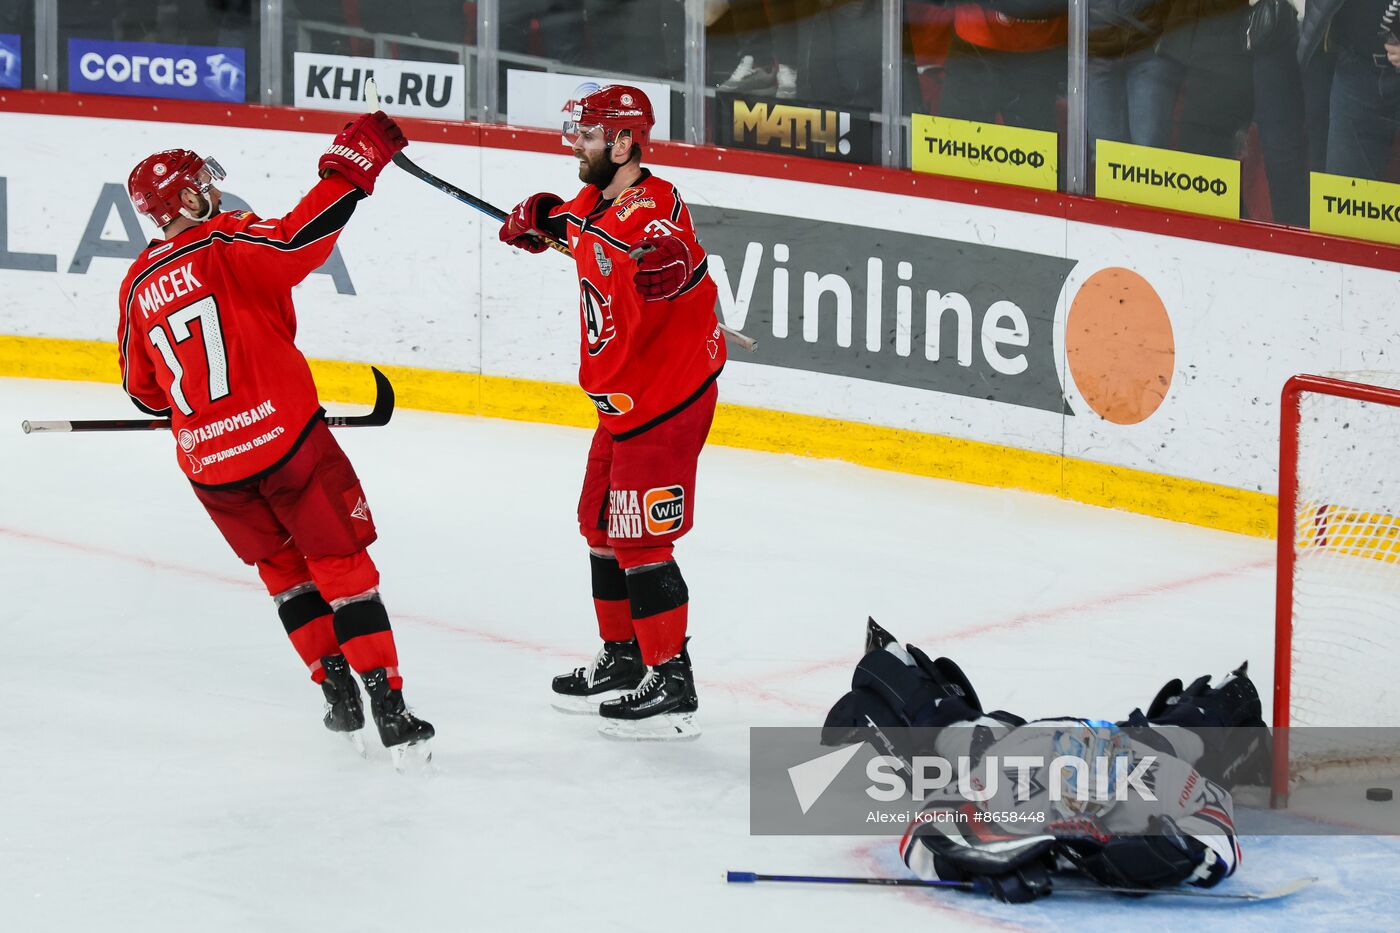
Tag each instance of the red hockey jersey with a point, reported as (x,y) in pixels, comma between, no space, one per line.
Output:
(639,361)
(206,334)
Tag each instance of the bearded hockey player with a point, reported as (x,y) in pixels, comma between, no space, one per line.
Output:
(1146,810)
(650,352)
(206,337)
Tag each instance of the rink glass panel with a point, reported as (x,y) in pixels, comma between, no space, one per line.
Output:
(842,79)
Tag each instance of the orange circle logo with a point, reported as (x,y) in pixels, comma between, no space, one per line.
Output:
(1119,346)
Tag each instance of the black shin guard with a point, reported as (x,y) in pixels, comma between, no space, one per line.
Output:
(609,579)
(361,617)
(302,609)
(656,589)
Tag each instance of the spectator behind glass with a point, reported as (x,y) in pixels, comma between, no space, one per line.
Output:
(1132,89)
(1217,97)
(1365,99)
(1008,59)
(839,52)
(1290,110)
(766,32)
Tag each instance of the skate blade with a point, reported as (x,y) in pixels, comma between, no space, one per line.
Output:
(581,706)
(357,742)
(668,727)
(413,759)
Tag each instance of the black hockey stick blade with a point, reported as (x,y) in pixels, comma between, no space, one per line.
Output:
(378,416)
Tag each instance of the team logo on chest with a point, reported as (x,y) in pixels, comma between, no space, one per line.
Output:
(604,263)
(598,326)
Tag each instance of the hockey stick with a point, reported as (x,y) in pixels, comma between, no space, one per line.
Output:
(495,213)
(378,417)
(981,886)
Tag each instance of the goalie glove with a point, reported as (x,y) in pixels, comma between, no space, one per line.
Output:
(1011,869)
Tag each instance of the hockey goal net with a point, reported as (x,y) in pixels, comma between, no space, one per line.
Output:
(1337,646)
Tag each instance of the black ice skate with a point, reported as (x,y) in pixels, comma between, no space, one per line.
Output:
(1228,719)
(399,729)
(662,706)
(344,711)
(616,667)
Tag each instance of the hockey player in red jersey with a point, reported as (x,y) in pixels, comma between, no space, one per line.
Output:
(206,336)
(650,353)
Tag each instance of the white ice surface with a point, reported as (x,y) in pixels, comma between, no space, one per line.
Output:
(164,766)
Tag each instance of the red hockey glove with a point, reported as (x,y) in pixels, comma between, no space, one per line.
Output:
(663,267)
(362,149)
(523,224)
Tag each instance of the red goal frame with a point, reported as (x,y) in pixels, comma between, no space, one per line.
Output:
(1290,419)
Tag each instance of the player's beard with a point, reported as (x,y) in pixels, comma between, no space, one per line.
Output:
(208,210)
(598,170)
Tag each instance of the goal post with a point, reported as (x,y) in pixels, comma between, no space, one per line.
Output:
(1337,619)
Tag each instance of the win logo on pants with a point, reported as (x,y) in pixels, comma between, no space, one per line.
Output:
(664,508)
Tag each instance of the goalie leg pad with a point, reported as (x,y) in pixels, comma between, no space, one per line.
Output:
(910,692)
(1015,870)
(1164,859)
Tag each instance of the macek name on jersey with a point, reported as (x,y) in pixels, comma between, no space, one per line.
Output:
(166,288)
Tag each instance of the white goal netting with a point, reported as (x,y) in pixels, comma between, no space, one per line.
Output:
(1344,656)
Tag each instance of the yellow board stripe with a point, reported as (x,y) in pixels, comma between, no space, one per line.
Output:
(1344,530)
(964,461)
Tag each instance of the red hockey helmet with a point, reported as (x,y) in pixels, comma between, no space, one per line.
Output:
(615,108)
(156,182)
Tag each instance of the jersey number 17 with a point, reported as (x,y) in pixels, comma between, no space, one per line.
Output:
(216,359)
